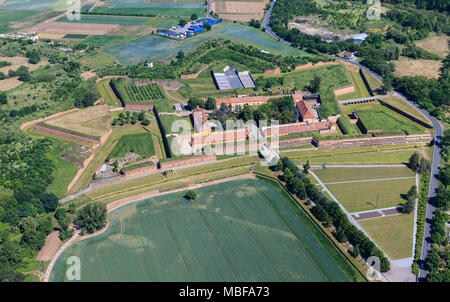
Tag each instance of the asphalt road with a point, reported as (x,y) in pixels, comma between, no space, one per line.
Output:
(437,142)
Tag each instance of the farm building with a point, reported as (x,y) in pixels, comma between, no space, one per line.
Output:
(170,33)
(232,79)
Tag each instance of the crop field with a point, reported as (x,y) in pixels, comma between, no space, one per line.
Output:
(163,22)
(394,234)
(75,37)
(38,5)
(148,8)
(104,40)
(92,121)
(7,16)
(350,174)
(242,11)
(154,47)
(237,231)
(378,117)
(141,144)
(100,19)
(151,93)
(363,196)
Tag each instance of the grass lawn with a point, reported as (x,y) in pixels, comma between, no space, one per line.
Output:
(365,155)
(7,16)
(168,120)
(332,76)
(393,234)
(374,83)
(378,117)
(360,89)
(75,36)
(139,143)
(107,93)
(65,170)
(405,106)
(349,174)
(362,196)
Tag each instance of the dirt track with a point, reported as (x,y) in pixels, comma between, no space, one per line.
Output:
(50,247)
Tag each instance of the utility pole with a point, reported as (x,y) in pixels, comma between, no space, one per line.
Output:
(378,195)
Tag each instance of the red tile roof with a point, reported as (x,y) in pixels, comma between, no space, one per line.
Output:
(304,110)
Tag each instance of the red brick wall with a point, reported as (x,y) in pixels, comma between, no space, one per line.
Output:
(187,161)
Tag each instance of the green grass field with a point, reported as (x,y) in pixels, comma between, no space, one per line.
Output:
(360,89)
(363,196)
(237,231)
(347,156)
(65,170)
(104,40)
(332,76)
(393,234)
(168,120)
(378,117)
(7,16)
(140,143)
(350,174)
(75,36)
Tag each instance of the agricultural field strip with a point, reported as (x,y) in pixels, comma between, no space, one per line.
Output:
(346,212)
(367,180)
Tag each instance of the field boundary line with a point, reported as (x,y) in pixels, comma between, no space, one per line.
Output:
(138,249)
(261,246)
(297,240)
(186,263)
(219,246)
(367,180)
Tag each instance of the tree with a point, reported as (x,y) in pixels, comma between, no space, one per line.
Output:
(414,161)
(33,56)
(408,207)
(195,102)
(444,175)
(314,84)
(180,55)
(210,104)
(207,26)
(23,74)
(424,166)
(50,201)
(442,197)
(3,98)
(182,22)
(190,195)
(92,217)
(306,167)
(194,17)
(145,122)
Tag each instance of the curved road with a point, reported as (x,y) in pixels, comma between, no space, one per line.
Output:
(437,143)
